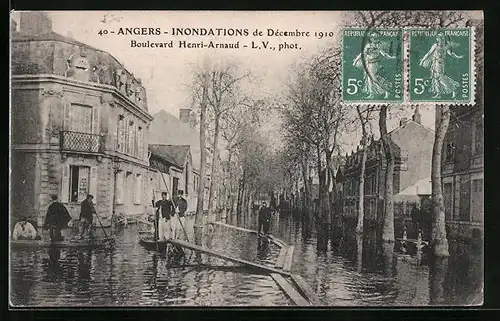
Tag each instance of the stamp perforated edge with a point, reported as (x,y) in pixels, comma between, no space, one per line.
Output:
(472,66)
(371,103)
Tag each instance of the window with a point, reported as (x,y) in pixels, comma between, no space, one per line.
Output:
(119,187)
(120,133)
(140,143)
(79,183)
(138,189)
(80,118)
(175,186)
(448,200)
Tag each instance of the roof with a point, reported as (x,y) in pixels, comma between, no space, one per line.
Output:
(50,36)
(166,129)
(175,154)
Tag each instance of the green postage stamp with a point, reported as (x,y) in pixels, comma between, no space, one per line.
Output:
(372,66)
(441,65)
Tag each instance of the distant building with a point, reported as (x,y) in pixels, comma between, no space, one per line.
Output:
(167,129)
(175,164)
(79,125)
(412,146)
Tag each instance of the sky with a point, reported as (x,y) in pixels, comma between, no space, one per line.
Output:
(166,72)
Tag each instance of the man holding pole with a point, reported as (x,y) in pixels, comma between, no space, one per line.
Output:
(164,210)
(181,206)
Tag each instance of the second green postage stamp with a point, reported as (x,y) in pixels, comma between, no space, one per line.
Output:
(441,63)
(372,66)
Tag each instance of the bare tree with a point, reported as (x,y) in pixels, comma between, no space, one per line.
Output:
(223,94)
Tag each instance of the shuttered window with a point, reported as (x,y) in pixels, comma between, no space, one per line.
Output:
(138,189)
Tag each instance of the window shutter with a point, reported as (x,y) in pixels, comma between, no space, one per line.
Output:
(138,188)
(95,120)
(93,182)
(64,192)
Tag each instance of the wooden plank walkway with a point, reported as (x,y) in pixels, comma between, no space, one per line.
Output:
(289,259)
(273,239)
(281,258)
(235,227)
(208,251)
(306,290)
(290,291)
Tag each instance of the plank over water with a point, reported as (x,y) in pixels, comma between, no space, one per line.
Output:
(281,258)
(290,291)
(270,237)
(226,257)
(289,259)
(306,289)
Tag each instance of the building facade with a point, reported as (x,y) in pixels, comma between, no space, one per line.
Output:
(79,125)
(462,167)
(412,147)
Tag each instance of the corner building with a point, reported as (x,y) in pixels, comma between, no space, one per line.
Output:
(79,125)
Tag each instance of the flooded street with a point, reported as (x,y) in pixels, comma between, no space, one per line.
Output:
(342,270)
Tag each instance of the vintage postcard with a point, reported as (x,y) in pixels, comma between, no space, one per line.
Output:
(246,158)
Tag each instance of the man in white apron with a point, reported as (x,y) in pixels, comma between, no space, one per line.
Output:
(165,211)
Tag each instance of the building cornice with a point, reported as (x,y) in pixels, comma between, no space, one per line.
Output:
(49,78)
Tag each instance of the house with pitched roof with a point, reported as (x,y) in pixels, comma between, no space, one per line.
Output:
(171,170)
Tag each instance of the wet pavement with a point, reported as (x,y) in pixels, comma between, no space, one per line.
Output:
(344,270)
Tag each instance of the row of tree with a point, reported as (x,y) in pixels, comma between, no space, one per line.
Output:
(314,123)
(314,126)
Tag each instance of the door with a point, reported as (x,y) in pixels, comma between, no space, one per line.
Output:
(175,186)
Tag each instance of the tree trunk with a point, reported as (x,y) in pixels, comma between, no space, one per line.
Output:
(307,187)
(321,179)
(388,227)
(214,166)
(330,179)
(439,239)
(361,201)
(198,222)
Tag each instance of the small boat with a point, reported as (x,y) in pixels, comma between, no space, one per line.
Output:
(68,243)
(150,244)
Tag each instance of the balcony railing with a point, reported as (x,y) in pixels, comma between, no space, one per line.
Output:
(82,142)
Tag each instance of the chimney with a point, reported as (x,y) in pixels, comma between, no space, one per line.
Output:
(13,25)
(35,23)
(184,115)
(403,121)
(416,116)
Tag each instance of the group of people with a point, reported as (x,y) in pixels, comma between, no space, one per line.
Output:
(57,218)
(171,216)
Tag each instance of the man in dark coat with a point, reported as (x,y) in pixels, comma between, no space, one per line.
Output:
(264,218)
(165,209)
(56,219)
(181,207)
(87,216)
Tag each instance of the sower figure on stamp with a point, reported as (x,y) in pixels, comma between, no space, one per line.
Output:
(369,60)
(87,217)
(441,84)
(56,219)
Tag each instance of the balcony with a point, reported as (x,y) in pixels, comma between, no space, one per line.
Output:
(82,142)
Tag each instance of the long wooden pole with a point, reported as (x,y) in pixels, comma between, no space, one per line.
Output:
(180,222)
